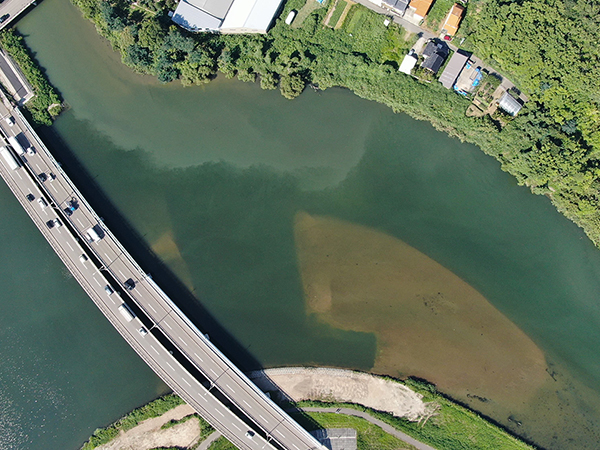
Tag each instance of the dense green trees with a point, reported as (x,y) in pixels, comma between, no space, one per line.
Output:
(46,103)
(548,47)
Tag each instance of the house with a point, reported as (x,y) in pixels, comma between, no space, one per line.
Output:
(434,55)
(397,5)
(420,8)
(226,16)
(510,104)
(453,20)
(453,69)
(408,63)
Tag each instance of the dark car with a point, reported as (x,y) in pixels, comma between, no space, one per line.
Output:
(4,18)
(43,177)
(50,224)
(30,197)
(129,284)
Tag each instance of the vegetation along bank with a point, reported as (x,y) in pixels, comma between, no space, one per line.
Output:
(548,47)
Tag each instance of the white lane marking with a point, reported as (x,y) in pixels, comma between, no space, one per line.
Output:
(204,398)
(172,368)
(112,300)
(186,382)
(70,246)
(213,371)
(230,388)
(152,346)
(54,188)
(97,282)
(238,428)
(79,221)
(247,404)
(222,415)
(19,175)
(295,446)
(58,229)
(38,167)
(280,433)
(150,306)
(263,418)
(182,340)
(122,274)
(106,255)
(45,212)
(198,356)
(168,326)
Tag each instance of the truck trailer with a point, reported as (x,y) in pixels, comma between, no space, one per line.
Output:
(9,158)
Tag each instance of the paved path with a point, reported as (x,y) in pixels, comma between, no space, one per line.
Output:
(387,428)
(209,440)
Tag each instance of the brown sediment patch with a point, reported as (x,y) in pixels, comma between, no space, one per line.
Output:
(428,322)
(166,248)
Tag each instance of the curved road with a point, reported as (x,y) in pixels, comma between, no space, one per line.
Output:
(140,311)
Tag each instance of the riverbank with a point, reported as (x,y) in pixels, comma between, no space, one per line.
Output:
(363,55)
(46,103)
(315,397)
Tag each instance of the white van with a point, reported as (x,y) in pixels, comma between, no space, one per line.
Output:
(92,235)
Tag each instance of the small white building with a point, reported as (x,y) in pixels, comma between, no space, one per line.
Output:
(408,63)
(226,16)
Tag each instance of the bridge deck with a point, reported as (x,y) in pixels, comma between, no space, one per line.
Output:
(196,359)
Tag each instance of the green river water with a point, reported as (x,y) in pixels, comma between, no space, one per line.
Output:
(229,185)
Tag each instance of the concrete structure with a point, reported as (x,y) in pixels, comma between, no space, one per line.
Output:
(408,63)
(453,69)
(12,9)
(156,329)
(510,104)
(453,20)
(337,438)
(226,16)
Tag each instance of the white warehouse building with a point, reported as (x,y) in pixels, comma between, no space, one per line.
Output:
(226,16)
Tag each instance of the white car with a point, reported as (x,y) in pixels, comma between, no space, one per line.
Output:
(83,258)
(10,120)
(42,202)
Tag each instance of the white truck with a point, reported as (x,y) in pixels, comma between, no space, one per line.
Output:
(14,143)
(8,157)
(127,313)
(92,234)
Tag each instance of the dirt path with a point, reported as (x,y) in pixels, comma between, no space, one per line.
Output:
(148,434)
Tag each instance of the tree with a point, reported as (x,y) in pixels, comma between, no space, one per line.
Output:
(291,85)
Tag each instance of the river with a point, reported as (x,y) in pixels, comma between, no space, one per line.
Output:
(324,230)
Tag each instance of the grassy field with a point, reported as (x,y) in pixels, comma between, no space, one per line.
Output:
(453,427)
(437,14)
(369,436)
(372,37)
(337,13)
(309,7)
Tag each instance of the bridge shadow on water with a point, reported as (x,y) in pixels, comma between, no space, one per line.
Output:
(144,255)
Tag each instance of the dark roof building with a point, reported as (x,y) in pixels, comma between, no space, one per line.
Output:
(434,55)
(453,69)
(510,104)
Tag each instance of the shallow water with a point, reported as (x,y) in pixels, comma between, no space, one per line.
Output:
(213,178)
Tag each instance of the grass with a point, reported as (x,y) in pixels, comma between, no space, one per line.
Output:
(153,409)
(437,14)
(369,436)
(372,37)
(337,13)
(454,427)
(309,7)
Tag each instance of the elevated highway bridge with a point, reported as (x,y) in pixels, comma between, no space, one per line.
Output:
(139,310)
